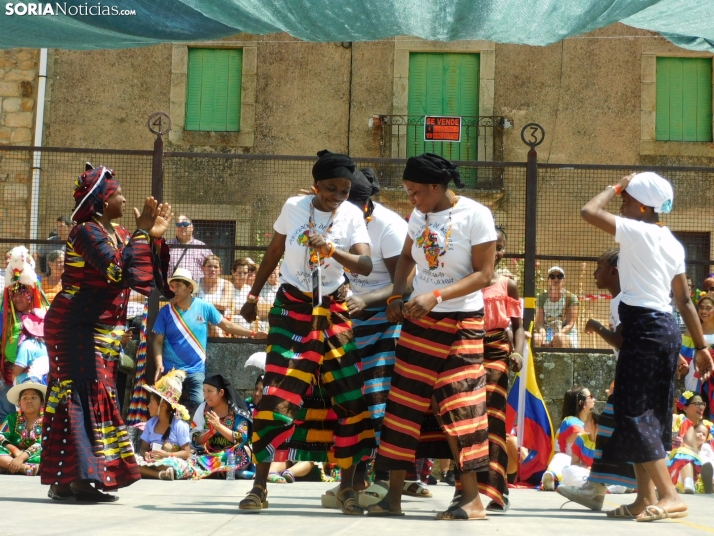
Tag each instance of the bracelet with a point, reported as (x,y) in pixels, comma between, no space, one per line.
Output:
(438,297)
(331,248)
(252,334)
(252,298)
(510,356)
(395,297)
(616,187)
(700,348)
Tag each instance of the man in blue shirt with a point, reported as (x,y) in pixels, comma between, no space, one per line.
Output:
(181,336)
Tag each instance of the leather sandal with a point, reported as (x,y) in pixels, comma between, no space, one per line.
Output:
(253,501)
(349,506)
(57,496)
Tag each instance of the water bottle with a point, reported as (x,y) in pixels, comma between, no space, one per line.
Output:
(231,463)
(548,334)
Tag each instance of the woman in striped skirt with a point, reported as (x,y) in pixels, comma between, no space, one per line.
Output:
(502,306)
(452,242)
(312,407)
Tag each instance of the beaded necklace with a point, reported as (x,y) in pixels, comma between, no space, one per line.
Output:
(314,257)
(28,435)
(429,240)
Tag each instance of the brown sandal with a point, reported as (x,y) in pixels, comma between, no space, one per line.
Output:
(253,501)
(349,506)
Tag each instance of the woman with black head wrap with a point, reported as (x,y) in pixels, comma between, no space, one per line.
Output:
(439,359)
(84,439)
(311,362)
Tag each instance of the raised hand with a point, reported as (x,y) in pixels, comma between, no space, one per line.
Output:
(162,221)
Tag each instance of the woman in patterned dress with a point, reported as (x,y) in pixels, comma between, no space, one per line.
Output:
(84,435)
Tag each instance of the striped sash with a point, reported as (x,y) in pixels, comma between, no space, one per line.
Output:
(186,332)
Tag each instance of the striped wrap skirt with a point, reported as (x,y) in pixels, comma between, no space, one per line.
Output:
(439,365)
(312,407)
(496,349)
(376,339)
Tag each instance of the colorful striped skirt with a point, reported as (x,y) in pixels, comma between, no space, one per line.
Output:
(496,349)
(376,339)
(605,470)
(439,357)
(312,407)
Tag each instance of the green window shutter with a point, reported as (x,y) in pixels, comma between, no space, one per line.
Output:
(214,90)
(443,84)
(684,100)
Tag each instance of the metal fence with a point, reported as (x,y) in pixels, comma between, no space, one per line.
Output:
(233,200)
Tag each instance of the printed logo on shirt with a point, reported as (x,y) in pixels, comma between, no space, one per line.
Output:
(428,241)
(200,319)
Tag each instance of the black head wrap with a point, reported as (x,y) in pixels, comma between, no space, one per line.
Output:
(431,168)
(234,401)
(364,186)
(332,166)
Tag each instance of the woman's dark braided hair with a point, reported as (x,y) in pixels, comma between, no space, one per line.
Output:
(172,414)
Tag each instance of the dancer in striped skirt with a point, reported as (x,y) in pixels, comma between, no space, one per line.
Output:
(502,306)
(452,242)
(312,407)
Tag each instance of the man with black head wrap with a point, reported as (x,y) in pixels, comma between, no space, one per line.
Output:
(439,358)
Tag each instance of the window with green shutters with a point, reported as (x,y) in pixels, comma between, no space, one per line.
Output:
(213,89)
(444,84)
(684,99)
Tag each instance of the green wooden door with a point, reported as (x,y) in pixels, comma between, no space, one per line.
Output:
(213,89)
(443,84)
(684,99)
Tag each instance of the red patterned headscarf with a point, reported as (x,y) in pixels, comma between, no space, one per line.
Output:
(91,190)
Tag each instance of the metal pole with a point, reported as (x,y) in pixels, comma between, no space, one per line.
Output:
(532,135)
(159,123)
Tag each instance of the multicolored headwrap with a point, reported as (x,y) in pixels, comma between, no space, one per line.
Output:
(683,400)
(91,190)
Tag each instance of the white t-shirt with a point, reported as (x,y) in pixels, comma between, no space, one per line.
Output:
(387,232)
(348,229)
(615,316)
(471,225)
(650,257)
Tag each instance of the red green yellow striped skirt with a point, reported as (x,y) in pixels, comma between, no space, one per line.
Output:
(312,407)
(439,357)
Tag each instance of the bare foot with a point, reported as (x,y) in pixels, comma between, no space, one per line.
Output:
(636,508)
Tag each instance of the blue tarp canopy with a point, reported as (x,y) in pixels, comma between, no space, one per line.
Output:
(92,24)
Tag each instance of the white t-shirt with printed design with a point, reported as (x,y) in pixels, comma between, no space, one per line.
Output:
(348,229)
(471,225)
(387,232)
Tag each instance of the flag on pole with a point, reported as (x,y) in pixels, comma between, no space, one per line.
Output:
(527,409)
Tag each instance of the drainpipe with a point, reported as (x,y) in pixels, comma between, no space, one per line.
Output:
(37,155)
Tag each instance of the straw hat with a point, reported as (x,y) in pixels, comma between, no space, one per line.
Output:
(27,382)
(183,274)
(169,388)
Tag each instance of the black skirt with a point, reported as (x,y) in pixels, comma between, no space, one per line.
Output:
(644,386)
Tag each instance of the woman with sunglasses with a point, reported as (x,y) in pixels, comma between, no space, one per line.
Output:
(556,314)
(683,462)
(651,265)
(705,308)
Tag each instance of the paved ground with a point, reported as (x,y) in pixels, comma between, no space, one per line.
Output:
(210,507)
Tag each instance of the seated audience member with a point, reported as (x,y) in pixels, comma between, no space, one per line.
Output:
(165,450)
(583,450)
(687,463)
(252,270)
(32,359)
(190,259)
(705,308)
(222,423)
(577,404)
(268,293)
(240,271)
(21,432)
(556,314)
(252,401)
(52,282)
(217,291)
(59,242)
(683,461)
(289,472)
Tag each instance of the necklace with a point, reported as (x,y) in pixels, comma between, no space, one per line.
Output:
(113,240)
(429,240)
(314,256)
(28,435)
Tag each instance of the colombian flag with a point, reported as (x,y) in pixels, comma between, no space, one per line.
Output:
(527,407)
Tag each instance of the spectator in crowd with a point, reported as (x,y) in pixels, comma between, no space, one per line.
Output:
(188,258)
(216,291)
(165,448)
(181,336)
(32,359)
(705,308)
(252,401)
(222,423)
(21,431)
(268,293)
(556,314)
(651,264)
(59,239)
(583,450)
(240,272)
(252,270)
(52,283)
(708,283)
(684,462)
(577,403)
(607,277)
(82,330)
